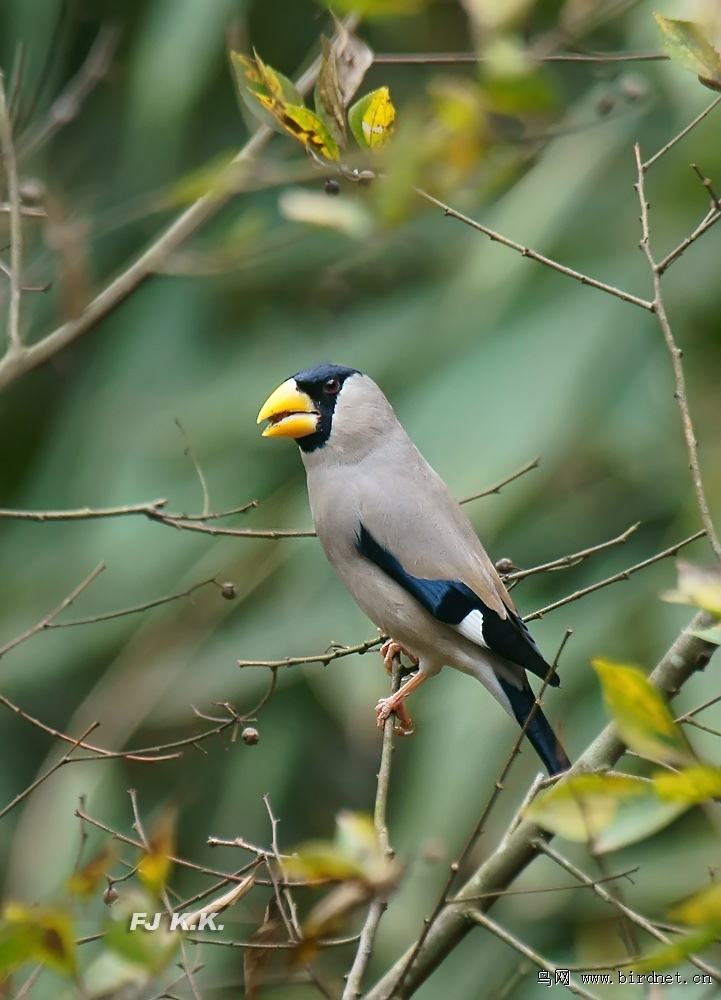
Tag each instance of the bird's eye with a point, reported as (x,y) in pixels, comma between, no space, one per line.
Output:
(331,386)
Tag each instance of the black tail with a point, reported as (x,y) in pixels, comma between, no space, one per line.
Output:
(539,732)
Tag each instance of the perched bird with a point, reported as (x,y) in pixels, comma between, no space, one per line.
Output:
(404,549)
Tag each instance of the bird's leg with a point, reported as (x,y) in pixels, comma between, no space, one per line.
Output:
(389,650)
(394,705)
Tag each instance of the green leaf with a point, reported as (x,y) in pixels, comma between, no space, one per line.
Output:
(640,714)
(607,810)
(372,119)
(687,45)
(151,950)
(690,786)
(42,934)
(369,9)
(699,586)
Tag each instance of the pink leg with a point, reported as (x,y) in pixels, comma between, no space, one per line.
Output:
(394,705)
(390,649)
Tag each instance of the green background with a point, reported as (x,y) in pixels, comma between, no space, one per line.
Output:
(489,359)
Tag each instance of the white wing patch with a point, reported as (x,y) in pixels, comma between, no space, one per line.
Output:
(472,628)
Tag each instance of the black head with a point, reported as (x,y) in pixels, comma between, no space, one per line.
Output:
(323,384)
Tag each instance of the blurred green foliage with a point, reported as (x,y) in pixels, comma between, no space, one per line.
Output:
(489,360)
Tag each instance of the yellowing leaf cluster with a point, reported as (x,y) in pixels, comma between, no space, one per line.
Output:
(275,100)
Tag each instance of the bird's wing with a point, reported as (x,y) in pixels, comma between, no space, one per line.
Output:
(454,603)
(390,507)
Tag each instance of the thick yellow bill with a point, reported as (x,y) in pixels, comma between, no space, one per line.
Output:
(291,412)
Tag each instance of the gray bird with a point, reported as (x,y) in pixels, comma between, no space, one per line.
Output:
(404,549)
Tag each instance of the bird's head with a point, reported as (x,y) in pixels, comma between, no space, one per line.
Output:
(304,406)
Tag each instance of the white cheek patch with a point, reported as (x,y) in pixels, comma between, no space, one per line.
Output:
(472,628)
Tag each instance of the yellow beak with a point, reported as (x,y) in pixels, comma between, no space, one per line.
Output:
(290,411)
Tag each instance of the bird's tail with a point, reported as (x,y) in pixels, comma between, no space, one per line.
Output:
(539,732)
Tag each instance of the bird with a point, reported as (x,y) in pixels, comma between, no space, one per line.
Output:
(405,550)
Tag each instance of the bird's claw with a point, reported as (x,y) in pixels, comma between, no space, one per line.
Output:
(389,650)
(390,706)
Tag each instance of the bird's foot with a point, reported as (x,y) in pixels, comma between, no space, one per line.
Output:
(389,650)
(394,706)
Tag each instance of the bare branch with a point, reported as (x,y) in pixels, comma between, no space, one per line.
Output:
(378,906)
(454,58)
(67,105)
(574,559)
(623,575)
(335,653)
(526,252)
(45,621)
(7,146)
(196,465)
(504,482)
(608,897)
(14,365)
(680,394)
(681,135)
(523,949)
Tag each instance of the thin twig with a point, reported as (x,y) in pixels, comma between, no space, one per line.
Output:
(623,575)
(523,949)
(703,227)
(45,621)
(574,559)
(681,135)
(632,915)
(708,184)
(378,906)
(16,229)
(196,465)
(65,759)
(27,211)
(453,58)
(136,609)
(336,653)
(67,105)
(151,260)
(680,394)
(455,866)
(527,252)
(154,512)
(504,482)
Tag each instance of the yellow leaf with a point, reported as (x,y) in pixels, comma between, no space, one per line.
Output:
(372,119)
(640,714)
(608,810)
(376,8)
(155,863)
(699,586)
(692,785)
(702,909)
(41,933)
(85,880)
